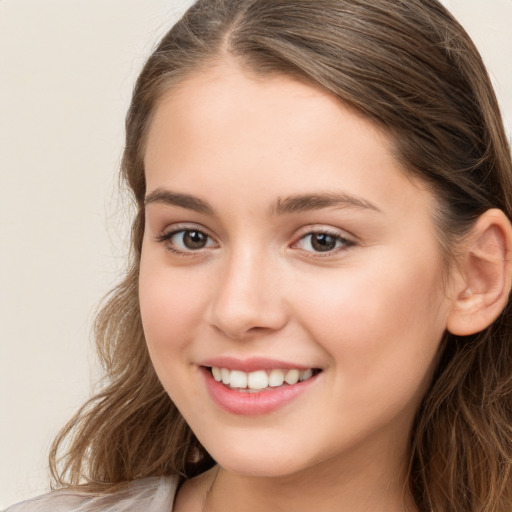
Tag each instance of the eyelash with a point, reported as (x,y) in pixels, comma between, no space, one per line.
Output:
(341,243)
(166,238)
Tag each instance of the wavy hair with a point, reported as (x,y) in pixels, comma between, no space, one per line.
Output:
(408,66)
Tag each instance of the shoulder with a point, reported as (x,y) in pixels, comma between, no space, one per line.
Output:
(148,494)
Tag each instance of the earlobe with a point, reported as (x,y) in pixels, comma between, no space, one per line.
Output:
(482,289)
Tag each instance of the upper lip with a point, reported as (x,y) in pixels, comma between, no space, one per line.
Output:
(251,364)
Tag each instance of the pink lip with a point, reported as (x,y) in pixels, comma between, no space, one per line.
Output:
(251,365)
(252,404)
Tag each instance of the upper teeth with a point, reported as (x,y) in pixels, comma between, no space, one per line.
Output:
(260,379)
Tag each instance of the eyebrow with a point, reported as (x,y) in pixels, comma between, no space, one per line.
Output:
(282,206)
(176,199)
(310,202)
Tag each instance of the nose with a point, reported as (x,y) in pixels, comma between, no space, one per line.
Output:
(249,297)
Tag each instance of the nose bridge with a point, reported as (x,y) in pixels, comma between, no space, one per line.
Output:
(248,298)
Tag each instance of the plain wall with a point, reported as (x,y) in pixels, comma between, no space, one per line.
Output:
(67,68)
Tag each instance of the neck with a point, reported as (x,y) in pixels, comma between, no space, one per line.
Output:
(377,484)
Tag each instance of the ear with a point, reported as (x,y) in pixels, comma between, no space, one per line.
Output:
(482,287)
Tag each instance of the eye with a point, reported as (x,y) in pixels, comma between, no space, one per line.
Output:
(186,240)
(322,242)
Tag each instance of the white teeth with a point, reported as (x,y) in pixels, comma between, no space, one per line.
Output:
(292,377)
(260,379)
(306,374)
(275,378)
(238,379)
(217,374)
(225,374)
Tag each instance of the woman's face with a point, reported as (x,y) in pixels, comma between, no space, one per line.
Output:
(284,241)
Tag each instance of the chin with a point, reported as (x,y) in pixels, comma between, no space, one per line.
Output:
(254,461)
(261,468)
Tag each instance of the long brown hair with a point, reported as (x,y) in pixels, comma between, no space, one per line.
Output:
(411,68)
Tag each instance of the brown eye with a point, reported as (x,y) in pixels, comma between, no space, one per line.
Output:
(194,239)
(186,240)
(323,242)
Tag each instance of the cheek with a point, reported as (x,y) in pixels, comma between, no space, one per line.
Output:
(168,319)
(381,326)
(171,305)
(372,298)
(172,302)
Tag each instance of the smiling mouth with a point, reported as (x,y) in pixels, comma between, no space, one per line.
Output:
(261,380)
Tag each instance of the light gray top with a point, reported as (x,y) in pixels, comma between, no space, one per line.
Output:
(148,494)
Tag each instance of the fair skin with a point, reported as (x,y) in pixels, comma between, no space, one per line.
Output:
(239,261)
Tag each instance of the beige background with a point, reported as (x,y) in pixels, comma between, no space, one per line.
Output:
(66,72)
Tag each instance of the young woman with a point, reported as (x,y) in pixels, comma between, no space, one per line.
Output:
(316,314)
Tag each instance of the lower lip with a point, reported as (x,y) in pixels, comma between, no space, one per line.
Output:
(252,404)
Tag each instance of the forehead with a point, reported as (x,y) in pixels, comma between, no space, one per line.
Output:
(226,93)
(227,123)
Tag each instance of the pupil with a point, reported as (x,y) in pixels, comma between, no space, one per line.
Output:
(322,242)
(194,240)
